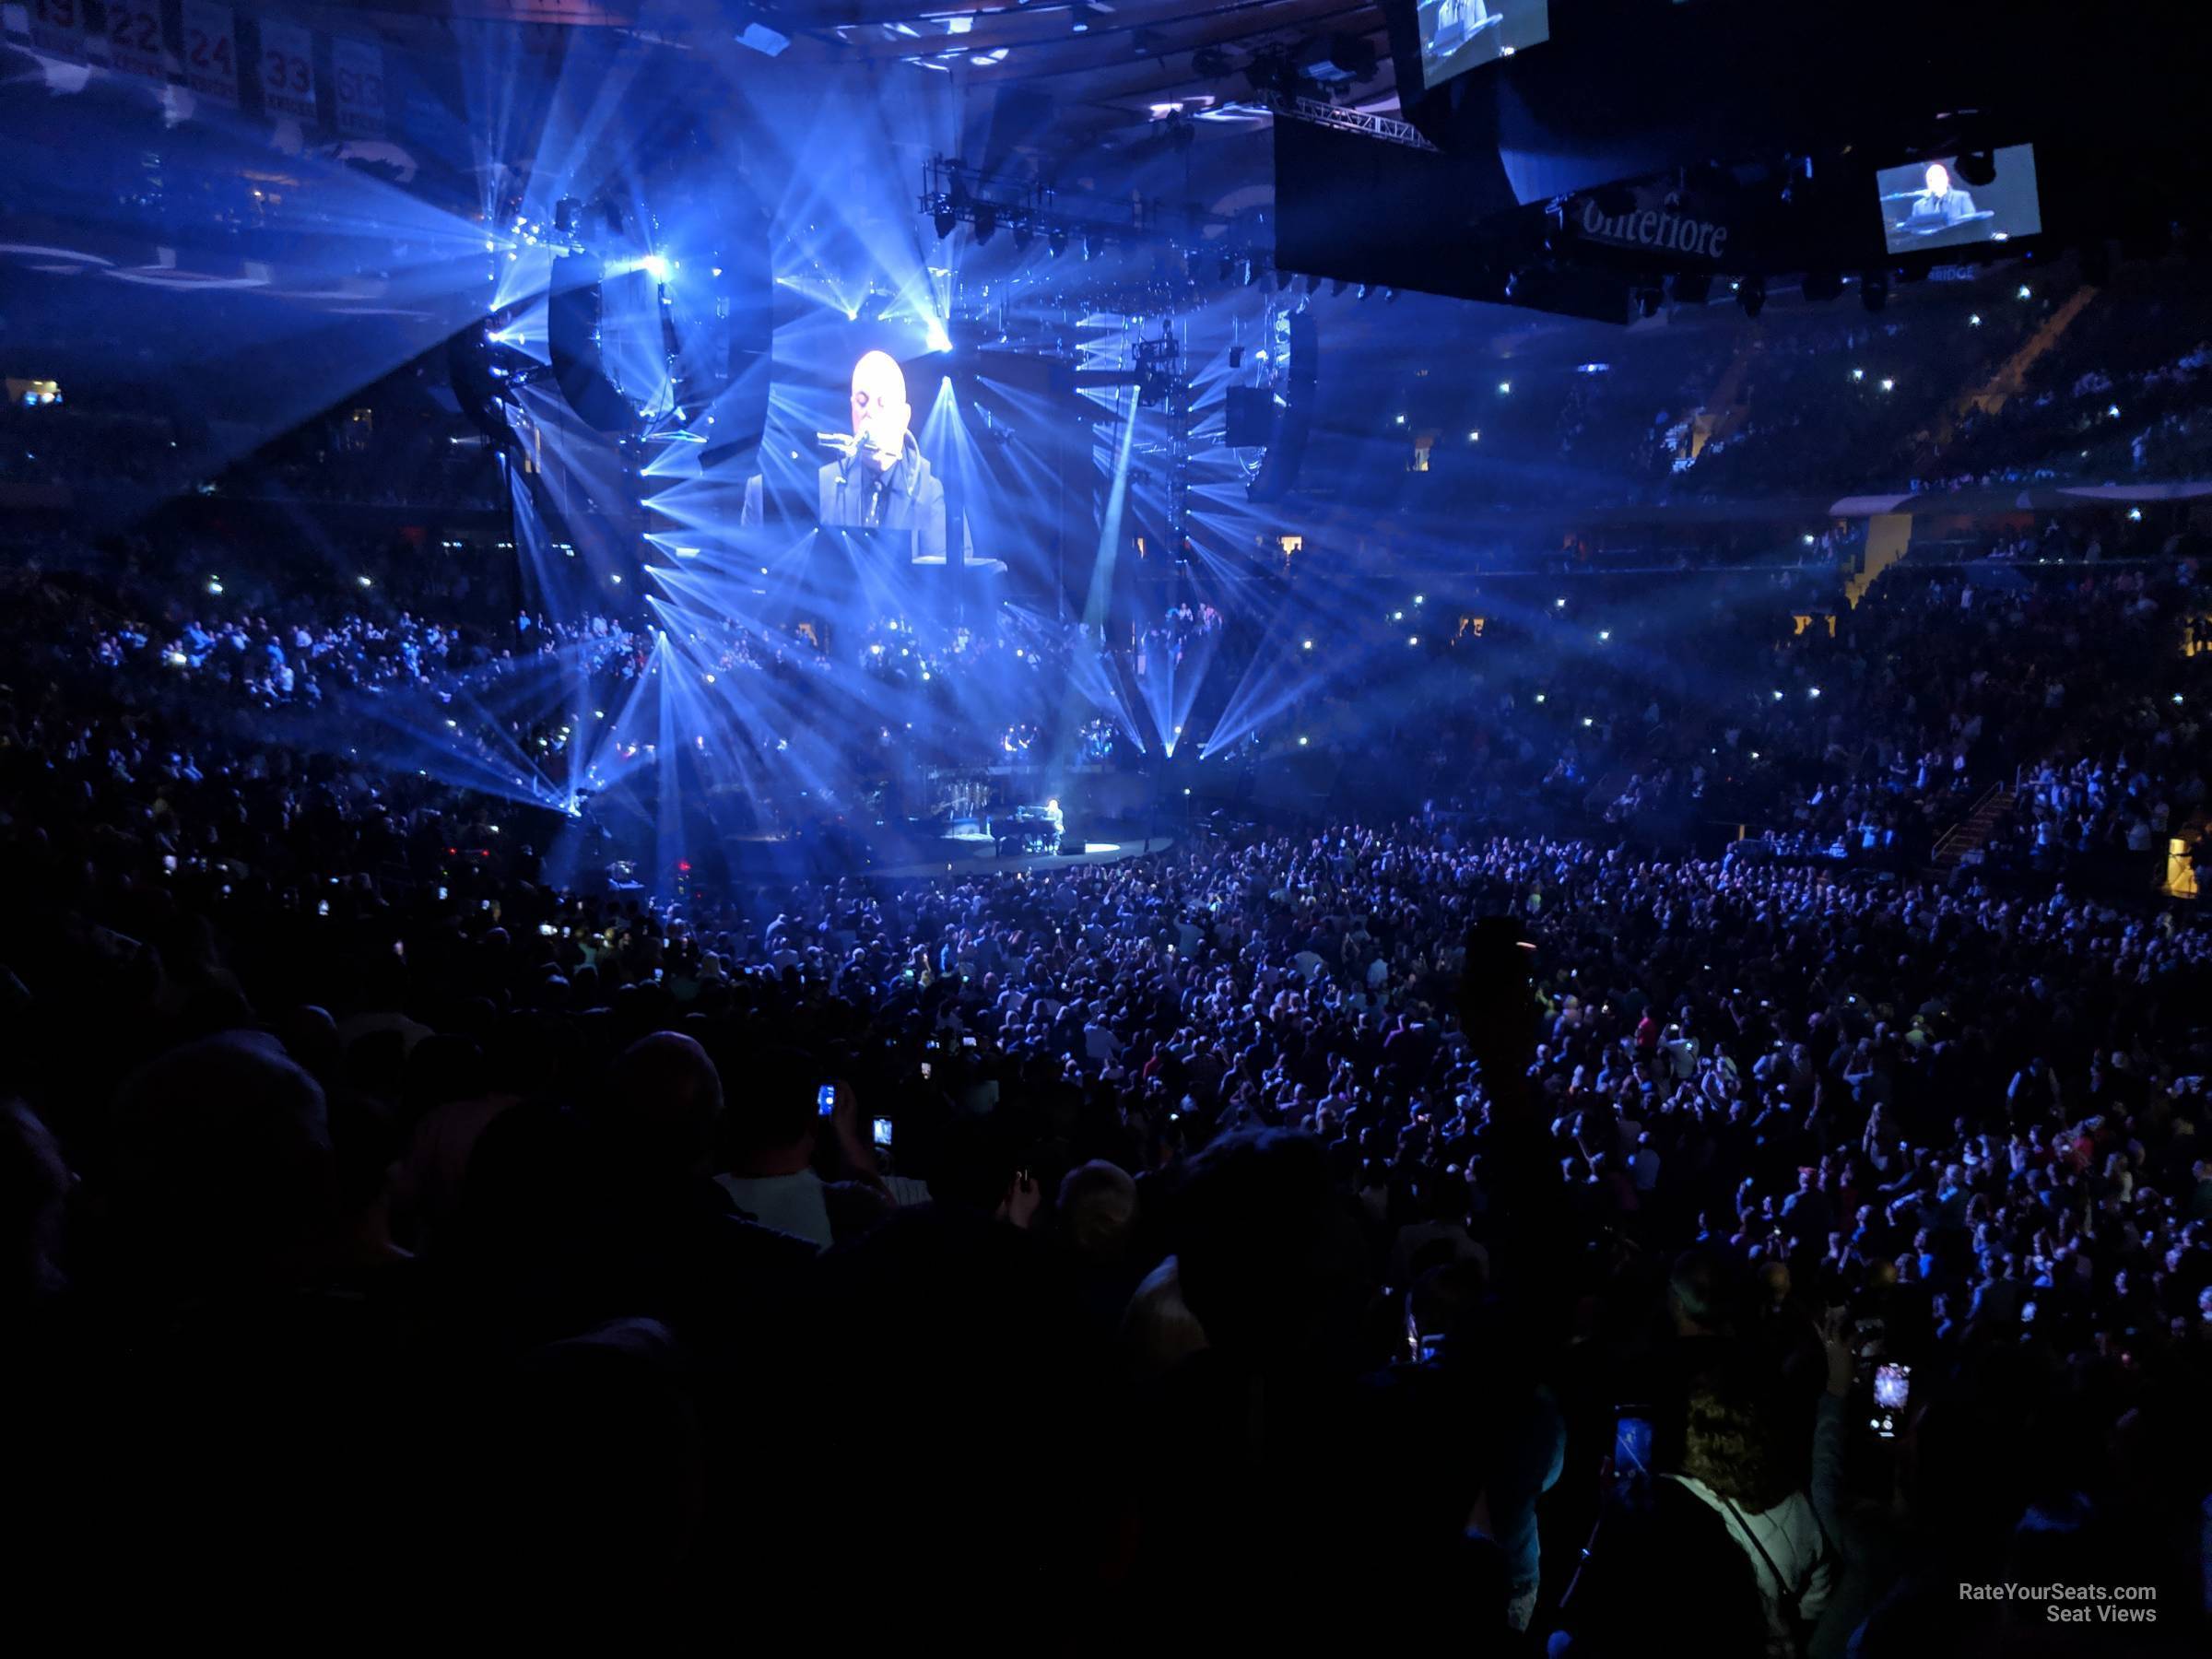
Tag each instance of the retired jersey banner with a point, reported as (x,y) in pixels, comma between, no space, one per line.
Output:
(210,51)
(287,70)
(134,43)
(356,74)
(58,26)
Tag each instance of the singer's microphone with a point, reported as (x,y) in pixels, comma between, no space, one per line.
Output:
(847,446)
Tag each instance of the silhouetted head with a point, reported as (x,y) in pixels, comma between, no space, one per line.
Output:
(224,1176)
(34,1187)
(1272,1262)
(1096,1210)
(665,1105)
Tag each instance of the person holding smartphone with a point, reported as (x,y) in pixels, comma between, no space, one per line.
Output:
(783,1132)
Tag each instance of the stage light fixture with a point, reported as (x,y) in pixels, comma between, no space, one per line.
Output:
(946,218)
(1336,287)
(1648,301)
(1236,357)
(1282,281)
(1751,294)
(1229,267)
(1362,292)
(1389,296)
(1312,284)
(1024,233)
(986,222)
(1057,242)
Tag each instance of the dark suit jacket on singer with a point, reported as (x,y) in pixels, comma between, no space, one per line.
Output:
(909,498)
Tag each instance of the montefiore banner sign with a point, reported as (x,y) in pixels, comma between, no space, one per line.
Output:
(1654,229)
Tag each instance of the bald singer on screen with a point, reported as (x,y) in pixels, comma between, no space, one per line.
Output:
(882,481)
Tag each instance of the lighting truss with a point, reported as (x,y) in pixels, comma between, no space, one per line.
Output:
(1389,128)
(954,193)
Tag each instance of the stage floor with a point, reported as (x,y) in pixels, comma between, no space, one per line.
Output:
(1098,853)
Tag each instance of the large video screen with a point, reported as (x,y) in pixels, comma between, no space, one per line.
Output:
(1457,35)
(881,468)
(1930,204)
(846,447)
(875,475)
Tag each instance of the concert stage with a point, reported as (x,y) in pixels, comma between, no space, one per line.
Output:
(982,864)
(750,862)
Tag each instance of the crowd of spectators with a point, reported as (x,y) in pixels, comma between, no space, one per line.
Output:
(1856,735)
(1235,1238)
(1162,1213)
(2128,780)
(1462,1197)
(1986,383)
(400,445)
(2097,411)
(1547,1159)
(1659,707)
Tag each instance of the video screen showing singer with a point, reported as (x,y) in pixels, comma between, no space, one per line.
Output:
(1939,204)
(884,482)
(1926,203)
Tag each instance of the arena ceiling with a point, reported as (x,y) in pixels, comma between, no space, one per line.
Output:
(1110,69)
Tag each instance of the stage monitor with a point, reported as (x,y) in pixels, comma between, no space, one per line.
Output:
(1955,201)
(1458,35)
